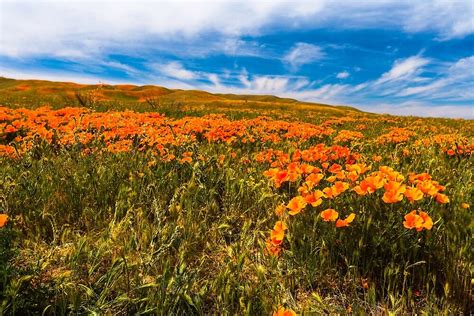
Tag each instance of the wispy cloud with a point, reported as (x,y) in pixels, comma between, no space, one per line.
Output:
(415,108)
(455,82)
(175,70)
(404,69)
(343,75)
(302,54)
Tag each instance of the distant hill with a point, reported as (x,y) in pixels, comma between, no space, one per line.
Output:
(34,93)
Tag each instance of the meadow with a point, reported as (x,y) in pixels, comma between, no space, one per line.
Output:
(144,200)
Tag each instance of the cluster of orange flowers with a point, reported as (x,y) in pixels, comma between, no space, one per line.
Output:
(396,135)
(296,168)
(347,136)
(320,172)
(451,144)
(126,130)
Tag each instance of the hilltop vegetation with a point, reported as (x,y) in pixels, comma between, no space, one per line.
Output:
(35,93)
(124,200)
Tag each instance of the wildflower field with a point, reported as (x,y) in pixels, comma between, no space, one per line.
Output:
(140,204)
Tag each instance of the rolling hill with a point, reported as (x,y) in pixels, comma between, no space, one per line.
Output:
(35,93)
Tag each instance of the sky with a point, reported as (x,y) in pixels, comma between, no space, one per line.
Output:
(398,57)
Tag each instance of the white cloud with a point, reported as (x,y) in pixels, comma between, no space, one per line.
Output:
(214,78)
(404,69)
(421,109)
(455,82)
(450,18)
(175,70)
(303,53)
(342,75)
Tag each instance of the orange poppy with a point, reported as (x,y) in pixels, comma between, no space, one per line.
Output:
(284,312)
(427,221)
(280,177)
(271,248)
(341,186)
(376,158)
(418,222)
(331,179)
(394,192)
(345,222)
(278,232)
(270,173)
(329,215)
(369,185)
(314,179)
(3,220)
(296,205)
(186,159)
(413,194)
(314,198)
(442,198)
(427,187)
(353,176)
(335,168)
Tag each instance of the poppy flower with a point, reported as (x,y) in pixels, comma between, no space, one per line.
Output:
(3,220)
(314,198)
(413,194)
(370,184)
(418,221)
(393,192)
(278,232)
(427,187)
(313,179)
(353,176)
(272,248)
(307,169)
(270,173)
(186,159)
(335,168)
(427,221)
(296,205)
(280,177)
(465,205)
(331,179)
(329,215)
(284,312)
(376,158)
(294,167)
(345,222)
(341,186)
(442,198)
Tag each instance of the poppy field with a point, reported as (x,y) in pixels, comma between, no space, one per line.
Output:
(232,208)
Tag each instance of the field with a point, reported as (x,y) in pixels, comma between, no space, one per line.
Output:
(145,200)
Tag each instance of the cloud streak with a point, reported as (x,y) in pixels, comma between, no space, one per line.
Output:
(302,54)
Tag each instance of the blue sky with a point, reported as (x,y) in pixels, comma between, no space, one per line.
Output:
(400,57)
